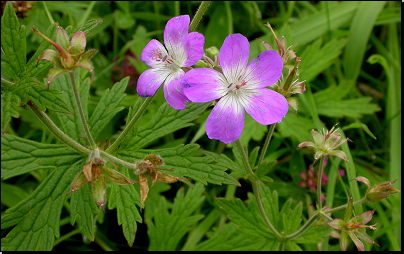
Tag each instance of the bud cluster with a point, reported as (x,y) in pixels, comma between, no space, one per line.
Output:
(379,191)
(326,143)
(148,168)
(69,55)
(289,85)
(95,173)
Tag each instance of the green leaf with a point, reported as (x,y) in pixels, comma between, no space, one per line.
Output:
(107,108)
(185,164)
(291,218)
(37,217)
(9,108)
(291,246)
(13,44)
(317,58)
(270,204)
(83,209)
(124,198)
(247,222)
(252,130)
(166,120)
(361,27)
(11,194)
(315,234)
(20,156)
(88,26)
(224,161)
(354,108)
(167,229)
(297,127)
(71,124)
(359,125)
(48,99)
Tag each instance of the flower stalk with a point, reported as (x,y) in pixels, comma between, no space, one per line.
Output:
(81,111)
(320,178)
(239,146)
(266,144)
(135,119)
(198,15)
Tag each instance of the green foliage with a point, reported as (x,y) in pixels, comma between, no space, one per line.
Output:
(107,107)
(20,156)
(124,199)
(333,40)
(167,229)
(36,219)
(184,163)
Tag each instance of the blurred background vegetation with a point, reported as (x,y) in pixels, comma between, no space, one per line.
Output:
(333,39)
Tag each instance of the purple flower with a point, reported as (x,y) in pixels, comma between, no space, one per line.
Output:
(181,50)
(240,87)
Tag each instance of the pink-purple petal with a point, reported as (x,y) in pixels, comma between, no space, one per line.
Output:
(174,91)
(194,48)
(233,56)
(204,85)
(267,106)
(226,121)
(150,80)
(150,54)
(175,32)
(264,70)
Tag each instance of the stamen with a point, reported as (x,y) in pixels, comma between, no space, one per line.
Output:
(230,85)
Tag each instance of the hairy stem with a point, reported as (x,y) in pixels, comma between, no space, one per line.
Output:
(57,132)
(198,15)
(320,176)
(266,144)
(237,145)
(43,118)
(308,224)
(129,126)
(81,111)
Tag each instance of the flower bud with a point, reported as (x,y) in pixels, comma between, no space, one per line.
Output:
(69,55)
(325,143)
(377,192)
(201,64)
(212,52)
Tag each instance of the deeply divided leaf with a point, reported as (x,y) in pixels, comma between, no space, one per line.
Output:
(37,218)
(19,156)
(167,229)
(185,164)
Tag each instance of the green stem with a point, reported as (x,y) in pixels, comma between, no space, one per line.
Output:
(57,132)
(320,176)
(198,15)
(340,208)
(239,146)
(66,236)
(266,144)
(303,229)
(129,126)
(81,111)
(116,160)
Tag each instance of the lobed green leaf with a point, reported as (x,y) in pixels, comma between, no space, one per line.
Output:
(167,229)
(20,156)
(166,120)
(107,107)
(124,198)
(37,217)
(185,164)
(12,43)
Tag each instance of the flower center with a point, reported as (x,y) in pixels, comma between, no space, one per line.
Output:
(234,88)
(158,56)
